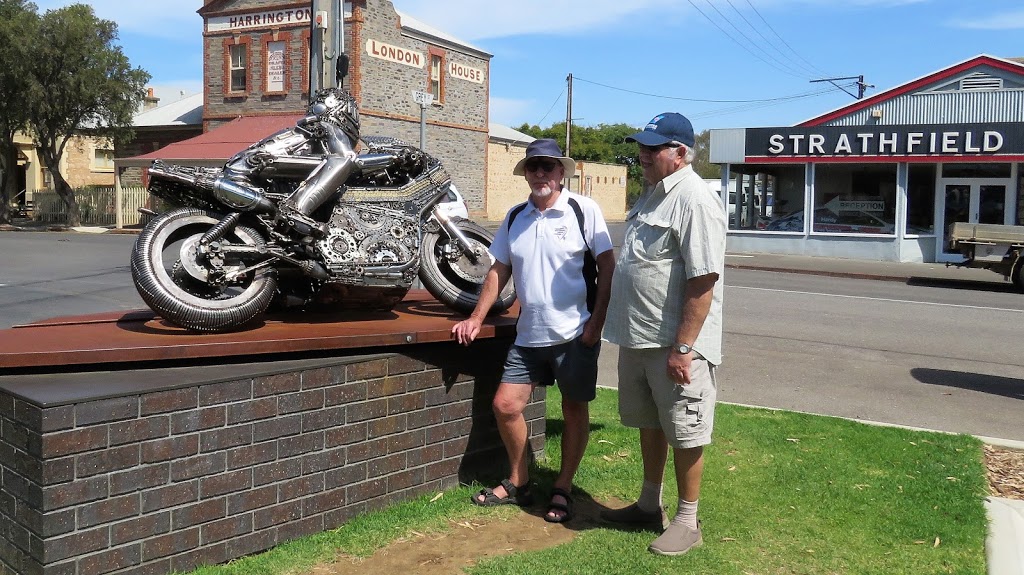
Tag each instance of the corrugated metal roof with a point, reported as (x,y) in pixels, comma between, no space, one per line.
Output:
(187,111)
(505,134)
(960,107)
(839,115)
(223,141)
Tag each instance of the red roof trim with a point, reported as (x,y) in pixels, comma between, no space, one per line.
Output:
(914,85)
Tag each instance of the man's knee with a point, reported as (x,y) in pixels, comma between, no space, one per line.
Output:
(509,401)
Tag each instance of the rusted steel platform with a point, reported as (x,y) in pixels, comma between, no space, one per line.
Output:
(141,336)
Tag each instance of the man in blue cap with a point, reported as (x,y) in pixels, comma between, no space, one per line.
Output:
(545,245)
(667,322)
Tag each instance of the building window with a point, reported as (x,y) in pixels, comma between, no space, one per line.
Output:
(436,83)
(921,199)
(238,67)
(769,198)
(275,67)
(103,160)
(854,199)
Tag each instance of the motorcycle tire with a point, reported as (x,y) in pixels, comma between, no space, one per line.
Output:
(165,270)
(457,283)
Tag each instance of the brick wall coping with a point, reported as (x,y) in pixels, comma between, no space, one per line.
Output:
(56,389)
(117,338)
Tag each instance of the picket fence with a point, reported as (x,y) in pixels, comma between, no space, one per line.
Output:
(97,204)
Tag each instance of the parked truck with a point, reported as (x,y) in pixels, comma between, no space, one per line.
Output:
(995,247)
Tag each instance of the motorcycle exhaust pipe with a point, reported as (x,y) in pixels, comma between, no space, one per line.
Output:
(241,197)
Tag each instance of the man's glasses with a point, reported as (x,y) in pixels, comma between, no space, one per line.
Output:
(546,164)
(658,148)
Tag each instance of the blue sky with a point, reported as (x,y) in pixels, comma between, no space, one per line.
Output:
(722,63)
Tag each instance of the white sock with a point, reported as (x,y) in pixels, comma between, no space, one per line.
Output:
(686,514)
(650,497)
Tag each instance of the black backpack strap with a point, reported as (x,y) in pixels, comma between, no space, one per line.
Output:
(589,261)
(579,220)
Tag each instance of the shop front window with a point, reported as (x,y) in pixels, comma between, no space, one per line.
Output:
(921,199)
(857,199)
(769,198)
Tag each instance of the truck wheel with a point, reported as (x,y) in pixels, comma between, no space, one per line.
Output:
(1017,273)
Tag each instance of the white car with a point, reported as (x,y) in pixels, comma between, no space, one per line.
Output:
(453,205)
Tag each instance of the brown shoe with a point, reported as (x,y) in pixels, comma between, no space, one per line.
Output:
(633,515)
(676,540)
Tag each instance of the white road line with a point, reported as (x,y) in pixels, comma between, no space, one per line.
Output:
(880,299)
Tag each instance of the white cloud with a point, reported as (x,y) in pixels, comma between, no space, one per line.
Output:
(511,112)
(1005,21)
(164,18)
(472,20)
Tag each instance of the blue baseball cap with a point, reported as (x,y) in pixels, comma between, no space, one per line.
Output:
(665,128)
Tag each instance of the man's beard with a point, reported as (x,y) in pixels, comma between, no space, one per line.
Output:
(544,192)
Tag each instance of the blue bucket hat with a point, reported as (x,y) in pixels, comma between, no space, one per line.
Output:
(545,148)
(665,128)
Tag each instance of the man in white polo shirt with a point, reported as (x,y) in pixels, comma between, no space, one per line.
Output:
(543,246)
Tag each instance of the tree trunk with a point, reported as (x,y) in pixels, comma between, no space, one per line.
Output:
(8,180)
(67,195)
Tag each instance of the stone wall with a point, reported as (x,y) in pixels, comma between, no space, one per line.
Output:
(133,475)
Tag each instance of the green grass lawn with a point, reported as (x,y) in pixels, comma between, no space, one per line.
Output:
(783,493)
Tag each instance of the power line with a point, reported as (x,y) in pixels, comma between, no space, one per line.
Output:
(782,66)
(553,104)
(783,40)
(769,42)
(738,43)
(705,100)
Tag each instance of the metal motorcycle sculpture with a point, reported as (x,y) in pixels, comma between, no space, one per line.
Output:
(299,219)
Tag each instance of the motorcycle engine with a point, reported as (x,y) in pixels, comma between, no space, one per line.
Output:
(371,245)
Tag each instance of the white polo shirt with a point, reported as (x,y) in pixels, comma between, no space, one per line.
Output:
(545,250)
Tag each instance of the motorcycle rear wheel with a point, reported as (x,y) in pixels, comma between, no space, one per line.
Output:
(170,274)
(456,282)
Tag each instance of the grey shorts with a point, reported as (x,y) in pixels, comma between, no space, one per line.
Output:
(648,398)
(572,364)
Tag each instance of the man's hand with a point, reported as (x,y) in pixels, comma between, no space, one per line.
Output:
(591,333)
(466,330)
(679,367)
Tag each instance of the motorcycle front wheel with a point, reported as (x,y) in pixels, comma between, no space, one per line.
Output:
(185,284)
(455,276)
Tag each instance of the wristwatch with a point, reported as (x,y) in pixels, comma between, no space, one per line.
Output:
(683,348)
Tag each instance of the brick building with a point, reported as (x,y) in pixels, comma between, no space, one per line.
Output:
(256,63)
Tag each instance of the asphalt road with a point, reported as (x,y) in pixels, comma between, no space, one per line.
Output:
(938,357)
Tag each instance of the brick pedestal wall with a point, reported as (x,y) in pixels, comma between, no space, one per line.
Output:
(160,470)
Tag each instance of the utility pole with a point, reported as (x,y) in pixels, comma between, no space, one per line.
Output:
(861,86)
(568,126)
(326,44)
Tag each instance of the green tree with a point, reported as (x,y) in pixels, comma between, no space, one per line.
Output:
(606,143)
(82,81)
(18,21)
(702,162)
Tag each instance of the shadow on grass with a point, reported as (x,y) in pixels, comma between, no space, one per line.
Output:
(994,384)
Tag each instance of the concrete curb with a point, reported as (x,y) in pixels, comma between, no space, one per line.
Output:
(826,273)
(1004,546)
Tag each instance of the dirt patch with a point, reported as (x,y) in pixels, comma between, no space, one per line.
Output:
(1005,472)
(466,543)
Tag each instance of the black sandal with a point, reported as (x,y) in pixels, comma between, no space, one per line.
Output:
(553,506)
(514,495)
